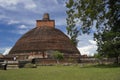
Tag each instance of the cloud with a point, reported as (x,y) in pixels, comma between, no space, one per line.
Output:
(53,3)
(92,42)
(7,50)
(31,10)
(22,27)
(87,45)
(21,31)
(45,5)
(88,50)
(84,40)
(13,22)
(5,3)
(8,4)
(13,4)
(28,4)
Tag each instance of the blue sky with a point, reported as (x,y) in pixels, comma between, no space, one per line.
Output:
(19,16)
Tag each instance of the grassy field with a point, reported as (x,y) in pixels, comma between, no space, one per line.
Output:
(62,73)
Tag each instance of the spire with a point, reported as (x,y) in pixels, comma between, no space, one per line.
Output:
(46,16)
(45,22)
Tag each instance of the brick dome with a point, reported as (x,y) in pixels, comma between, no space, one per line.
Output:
(44,37)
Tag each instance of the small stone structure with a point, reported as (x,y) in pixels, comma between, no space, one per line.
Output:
(12,65)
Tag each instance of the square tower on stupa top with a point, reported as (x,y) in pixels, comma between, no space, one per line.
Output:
(45,22)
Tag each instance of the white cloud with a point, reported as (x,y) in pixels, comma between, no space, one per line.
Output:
(30,10)
(88,50)
(49,6)
(87,45)
(84,50)
(12,4)
(9,4)
(92,42)
(28,4)
(7,50)
(22,27)
(5,3)
(13,22)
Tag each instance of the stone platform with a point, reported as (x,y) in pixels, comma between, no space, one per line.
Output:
(12,65)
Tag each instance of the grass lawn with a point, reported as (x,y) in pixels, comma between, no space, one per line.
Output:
(62,73)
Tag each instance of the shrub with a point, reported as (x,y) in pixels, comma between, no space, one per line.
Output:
(58,56)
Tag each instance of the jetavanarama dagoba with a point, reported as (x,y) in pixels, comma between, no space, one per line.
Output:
(42,40)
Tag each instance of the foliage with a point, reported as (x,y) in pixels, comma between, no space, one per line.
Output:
(105,16)
(61,72)
(73,34)
(58,55)
(85,12)
(109,39)
(72,30)
(97,55)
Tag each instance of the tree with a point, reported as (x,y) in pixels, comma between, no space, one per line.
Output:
(58,56)
(72,30)
(109,40)
(105,16)
(85,12)
(110,46)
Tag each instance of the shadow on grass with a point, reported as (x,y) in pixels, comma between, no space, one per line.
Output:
(100,65)
(106,65)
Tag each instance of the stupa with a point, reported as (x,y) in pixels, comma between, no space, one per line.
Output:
(42,40)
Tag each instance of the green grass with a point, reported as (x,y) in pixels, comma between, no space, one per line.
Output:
(62,73)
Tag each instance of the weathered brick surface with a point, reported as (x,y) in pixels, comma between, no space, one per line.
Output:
(44,37)
(48,23)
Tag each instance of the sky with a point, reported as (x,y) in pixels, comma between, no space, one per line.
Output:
(19,16)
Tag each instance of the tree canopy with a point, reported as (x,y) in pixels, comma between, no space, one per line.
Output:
(104,15)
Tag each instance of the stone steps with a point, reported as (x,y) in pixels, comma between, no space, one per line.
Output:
(12,65)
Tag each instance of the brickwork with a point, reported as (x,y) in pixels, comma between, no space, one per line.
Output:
(44,37)
(47,23)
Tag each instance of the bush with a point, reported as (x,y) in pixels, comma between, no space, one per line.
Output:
(58,55)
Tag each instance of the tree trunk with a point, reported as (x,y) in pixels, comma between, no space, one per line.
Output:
(58,61)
